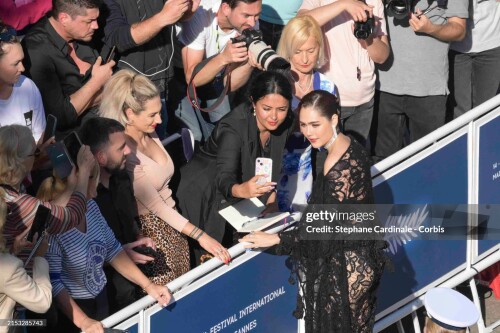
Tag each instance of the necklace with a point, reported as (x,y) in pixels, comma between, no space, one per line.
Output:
(304,91)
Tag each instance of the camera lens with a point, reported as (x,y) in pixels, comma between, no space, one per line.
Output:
(398,8)
(363,30)
(267,58)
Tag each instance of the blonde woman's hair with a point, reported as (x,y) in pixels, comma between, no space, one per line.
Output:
(126,90)
(16,143)
(296,33)
(53,187)
(3,216)
(432,327)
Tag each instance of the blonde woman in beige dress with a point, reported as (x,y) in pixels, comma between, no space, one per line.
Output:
(134,101)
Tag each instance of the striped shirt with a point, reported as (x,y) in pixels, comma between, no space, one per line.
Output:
(22,211)
(76,259)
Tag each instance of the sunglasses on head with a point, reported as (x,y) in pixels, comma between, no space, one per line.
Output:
(8,35)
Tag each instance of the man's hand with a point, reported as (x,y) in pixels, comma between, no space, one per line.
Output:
(420,23)
(193,6)
(173,10)
(101,73)
(357,9)
(234,53)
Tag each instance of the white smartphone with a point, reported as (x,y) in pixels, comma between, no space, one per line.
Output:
(264,166)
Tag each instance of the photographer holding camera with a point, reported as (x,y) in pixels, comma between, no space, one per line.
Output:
(208,34)
(414,83)
(355,38)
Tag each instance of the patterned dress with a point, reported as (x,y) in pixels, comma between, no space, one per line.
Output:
(338,277)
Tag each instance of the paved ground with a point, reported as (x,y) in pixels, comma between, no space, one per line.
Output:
(490,305)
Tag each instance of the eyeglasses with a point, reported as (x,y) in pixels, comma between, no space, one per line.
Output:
(8,35)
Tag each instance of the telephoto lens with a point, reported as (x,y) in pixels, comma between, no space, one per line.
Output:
(264,55)
(363,30)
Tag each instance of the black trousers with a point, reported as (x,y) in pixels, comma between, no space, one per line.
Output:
(398,115)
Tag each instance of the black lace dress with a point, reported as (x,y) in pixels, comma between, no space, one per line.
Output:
(337,278)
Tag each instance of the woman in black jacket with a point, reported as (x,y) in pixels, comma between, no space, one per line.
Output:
(223,171)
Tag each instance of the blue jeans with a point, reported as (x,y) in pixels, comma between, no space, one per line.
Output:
(357,121)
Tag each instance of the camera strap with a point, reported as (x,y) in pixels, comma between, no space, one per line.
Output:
(191,89)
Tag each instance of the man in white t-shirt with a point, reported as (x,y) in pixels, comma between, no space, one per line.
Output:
(209,33)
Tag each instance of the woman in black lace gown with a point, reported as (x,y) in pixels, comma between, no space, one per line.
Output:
(338,278)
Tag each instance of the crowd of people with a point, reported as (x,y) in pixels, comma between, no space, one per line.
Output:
(323,88)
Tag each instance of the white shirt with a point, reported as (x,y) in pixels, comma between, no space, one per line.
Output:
(202,32)
(24,107)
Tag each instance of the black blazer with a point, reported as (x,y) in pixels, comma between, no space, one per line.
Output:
(227,158)
(235,144)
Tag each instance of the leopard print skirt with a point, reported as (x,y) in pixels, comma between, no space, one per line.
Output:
(172,247)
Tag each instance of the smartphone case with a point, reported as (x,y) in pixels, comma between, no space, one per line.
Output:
(61,161)
(264,166)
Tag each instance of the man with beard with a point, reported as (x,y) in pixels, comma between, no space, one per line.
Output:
(115,198)
(63,64)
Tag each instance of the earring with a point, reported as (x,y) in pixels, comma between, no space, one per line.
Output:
(332,139)
(254,112)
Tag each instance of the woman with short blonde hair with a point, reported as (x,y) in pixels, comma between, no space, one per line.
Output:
(297,33)
(302,45)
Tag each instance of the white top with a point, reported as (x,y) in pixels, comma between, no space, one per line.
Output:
(24,107)
(450,308)
(202,32)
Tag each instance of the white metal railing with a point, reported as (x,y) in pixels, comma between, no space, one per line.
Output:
(182,281)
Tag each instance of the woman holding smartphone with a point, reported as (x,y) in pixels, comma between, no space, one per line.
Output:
(16,286)
(223,171)
(338,276)
(17,155)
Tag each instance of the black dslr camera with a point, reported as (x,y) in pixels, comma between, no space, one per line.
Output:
(263,54)
(363,30)
(248,36)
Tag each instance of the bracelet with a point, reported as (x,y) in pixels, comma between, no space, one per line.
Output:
(146,287)
(199,235)
(195,230)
